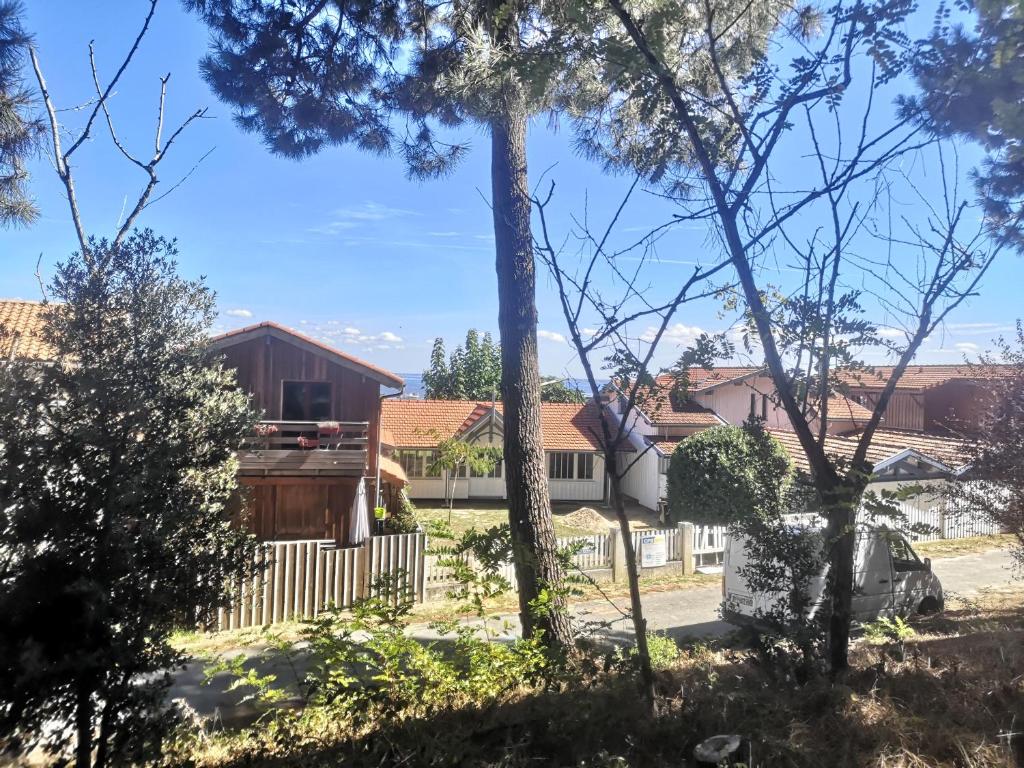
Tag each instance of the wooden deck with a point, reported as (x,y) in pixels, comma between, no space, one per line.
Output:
(305,448)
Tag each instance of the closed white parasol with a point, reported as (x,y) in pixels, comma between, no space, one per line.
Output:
(359,523)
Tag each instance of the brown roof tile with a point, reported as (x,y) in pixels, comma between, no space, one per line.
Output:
(885,444)
(921,377)
(424,423)
(21,328)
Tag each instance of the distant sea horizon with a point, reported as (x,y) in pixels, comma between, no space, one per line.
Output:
(414,385)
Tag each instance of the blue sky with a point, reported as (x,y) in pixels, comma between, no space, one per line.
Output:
(342,245)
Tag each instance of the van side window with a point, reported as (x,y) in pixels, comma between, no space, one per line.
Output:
(903,557)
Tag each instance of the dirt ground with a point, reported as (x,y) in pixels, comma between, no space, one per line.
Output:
(570,518)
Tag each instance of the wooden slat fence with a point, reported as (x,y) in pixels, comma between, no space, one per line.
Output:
(301,579)
(401,554)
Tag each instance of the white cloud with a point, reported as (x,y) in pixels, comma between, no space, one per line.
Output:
(349,218)
(966,346)
(444,234)
(238,313)
(389,337)
(551,336)
(352,331)
(891,333)
(678,333)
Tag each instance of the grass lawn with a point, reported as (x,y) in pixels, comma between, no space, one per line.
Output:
(567,518)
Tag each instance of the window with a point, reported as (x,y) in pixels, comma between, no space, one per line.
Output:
(584,466)
(663,464)
(306,401)
(417,463)
(494,474)
(560,465)
(903,557)
(753,405)
(764,407)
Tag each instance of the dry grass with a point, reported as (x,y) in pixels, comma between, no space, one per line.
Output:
(961,685)
(482,515)
(957,547)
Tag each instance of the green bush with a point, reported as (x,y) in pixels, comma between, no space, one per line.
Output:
(404,519)
(725,474)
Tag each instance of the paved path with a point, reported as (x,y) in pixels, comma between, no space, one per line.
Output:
(684,613)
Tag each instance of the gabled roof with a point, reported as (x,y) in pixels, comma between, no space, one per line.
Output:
(21,329)
(658,405)
(921,377)
(424,423)
(278,331)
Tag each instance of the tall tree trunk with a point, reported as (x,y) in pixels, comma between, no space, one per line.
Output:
(83,724)
(839,505)
(533,533)
(633,577)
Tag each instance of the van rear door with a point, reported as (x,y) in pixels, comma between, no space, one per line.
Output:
(872,577)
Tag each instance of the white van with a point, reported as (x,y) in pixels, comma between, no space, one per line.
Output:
(889,580)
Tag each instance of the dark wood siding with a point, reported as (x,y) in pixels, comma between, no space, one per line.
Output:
(299,508)
(262,364)
(957,407)
(905,409)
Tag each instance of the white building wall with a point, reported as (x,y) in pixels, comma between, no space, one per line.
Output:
(642,479)
(732,401)
(494,488)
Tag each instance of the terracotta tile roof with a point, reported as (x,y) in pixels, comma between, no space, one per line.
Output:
(703,378)
(921,377)
(885,444)
(835,446)
(664,445)
(21,327)
(424,423)
(276,329)
(658,406)
(951,451)
(844,409)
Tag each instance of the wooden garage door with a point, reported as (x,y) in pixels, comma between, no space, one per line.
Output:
(303,512)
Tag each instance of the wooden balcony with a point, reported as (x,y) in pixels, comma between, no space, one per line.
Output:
(307,448)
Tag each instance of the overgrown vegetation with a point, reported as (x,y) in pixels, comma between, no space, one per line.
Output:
(117,468)
(956,678)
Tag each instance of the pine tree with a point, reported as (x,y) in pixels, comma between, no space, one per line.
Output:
(385,75)
(19,132)
(437,382)
(970,85)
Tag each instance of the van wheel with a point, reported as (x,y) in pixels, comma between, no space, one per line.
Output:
(928,606)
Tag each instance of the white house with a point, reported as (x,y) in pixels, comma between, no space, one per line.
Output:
(726,395)
(412,430)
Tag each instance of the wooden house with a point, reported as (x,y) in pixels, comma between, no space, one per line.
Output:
(319,434)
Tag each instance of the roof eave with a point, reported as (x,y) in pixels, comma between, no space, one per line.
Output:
(231,338)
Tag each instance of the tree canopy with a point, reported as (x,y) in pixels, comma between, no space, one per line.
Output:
(970,86)
(19,130)
(473,372)
(117,472)
(723,475)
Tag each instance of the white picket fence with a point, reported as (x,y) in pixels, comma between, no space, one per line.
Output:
(945,522)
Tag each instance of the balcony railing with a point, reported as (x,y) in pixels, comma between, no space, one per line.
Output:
(305,448)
